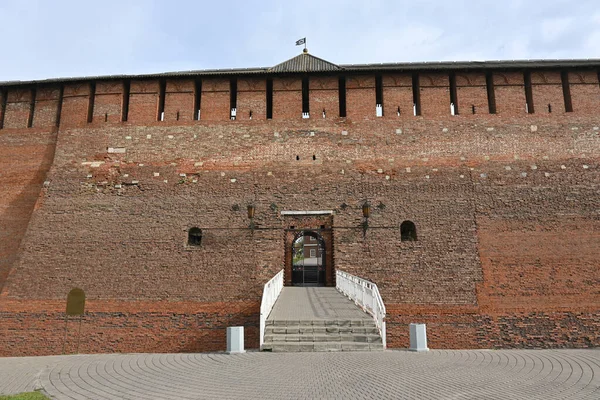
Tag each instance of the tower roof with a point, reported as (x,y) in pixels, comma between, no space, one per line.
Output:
(305,62)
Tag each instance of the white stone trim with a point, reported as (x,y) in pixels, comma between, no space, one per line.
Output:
(317,212)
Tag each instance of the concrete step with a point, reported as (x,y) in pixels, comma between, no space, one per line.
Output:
(321,346)
(321,322)
(322,335)
(362,338)
(320,330)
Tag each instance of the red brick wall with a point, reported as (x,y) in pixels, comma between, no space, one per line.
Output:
(252,96)
(143,102)
(397,92)
(435,94)
(547,89)
(38,327)
(509,90)
(179,100)
(324,95)
(46,104)
(360,97)
(17,108)
(472,91)
(585,92)
(504,207)
(215,100)
(76,98)
(287,98)
(25,158)
(108,102)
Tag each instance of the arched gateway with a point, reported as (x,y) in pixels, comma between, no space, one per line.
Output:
(308,259)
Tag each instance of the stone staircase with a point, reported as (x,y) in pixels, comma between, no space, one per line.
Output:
(322,335)
(319,319)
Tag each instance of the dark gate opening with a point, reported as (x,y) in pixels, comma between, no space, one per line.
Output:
(308,259)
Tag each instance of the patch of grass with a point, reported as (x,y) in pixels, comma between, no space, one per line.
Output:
(25,396)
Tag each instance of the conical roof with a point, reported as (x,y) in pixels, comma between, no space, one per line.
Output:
(305,63)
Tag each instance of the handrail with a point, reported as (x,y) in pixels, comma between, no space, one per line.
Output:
(366,295)
(271,292)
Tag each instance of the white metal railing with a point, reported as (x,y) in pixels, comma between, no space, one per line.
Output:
(270,294)
(366,295)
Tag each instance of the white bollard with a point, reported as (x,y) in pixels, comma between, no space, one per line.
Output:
(418,337)
(235,340)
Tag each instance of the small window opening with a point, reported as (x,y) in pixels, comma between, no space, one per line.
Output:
(269,98)
(91,99)
(233,97)
(161,100)
(408,232)
(564,77)
(297,158)
(416,95)
(398,111)
(324,115)
(491,95)
(528,93)
(473,108)
(342,96)
(550,108)
(197,97)
(177,115)
(453,95)
(314,157)
(105,117)
(305,100)
(378,96)
(250,115)
(195,237)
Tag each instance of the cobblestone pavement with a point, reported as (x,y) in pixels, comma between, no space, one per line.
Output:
(310,303)
(456,374)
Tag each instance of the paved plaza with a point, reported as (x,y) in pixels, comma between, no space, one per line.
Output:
(438,374)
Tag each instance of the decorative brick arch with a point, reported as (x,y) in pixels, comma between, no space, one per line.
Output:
(320,224)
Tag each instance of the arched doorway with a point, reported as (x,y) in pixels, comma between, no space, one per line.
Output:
(308,259)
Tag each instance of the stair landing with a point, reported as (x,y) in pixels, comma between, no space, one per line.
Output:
(319,319)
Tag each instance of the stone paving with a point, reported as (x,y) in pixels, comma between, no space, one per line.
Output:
(438,374)
(310,303)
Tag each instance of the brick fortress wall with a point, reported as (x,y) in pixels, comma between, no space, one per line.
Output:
(506,208)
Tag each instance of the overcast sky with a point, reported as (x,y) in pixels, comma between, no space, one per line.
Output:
(55,38)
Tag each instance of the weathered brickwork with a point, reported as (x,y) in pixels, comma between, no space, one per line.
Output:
(435,94)
(472,92)
(252,99)
(287,98)
(398,94)
(505,205)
